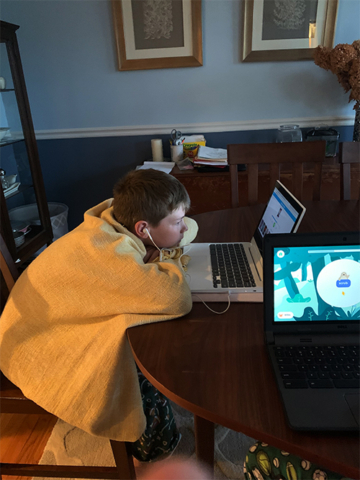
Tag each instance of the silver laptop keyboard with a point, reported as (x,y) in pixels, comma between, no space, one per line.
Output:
(230,267)
(319,366)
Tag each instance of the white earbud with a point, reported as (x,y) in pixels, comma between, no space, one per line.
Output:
(147,231)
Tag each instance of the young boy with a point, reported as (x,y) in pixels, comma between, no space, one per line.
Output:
(63,330)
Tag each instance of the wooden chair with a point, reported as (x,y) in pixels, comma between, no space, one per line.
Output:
(349,153)
(274,154)
(13,401)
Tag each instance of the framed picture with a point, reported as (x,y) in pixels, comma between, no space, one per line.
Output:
(287,29)
(158,33)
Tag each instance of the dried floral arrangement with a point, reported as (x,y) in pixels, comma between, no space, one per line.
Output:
(344,61)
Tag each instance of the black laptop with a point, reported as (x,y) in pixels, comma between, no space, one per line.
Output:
(312,320)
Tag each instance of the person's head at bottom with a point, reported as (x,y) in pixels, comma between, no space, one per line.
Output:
(177,469)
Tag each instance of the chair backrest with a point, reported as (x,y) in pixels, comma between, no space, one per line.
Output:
(274,154)
(7,265)
(349,153)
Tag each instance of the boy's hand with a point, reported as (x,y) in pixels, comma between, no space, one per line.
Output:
(151,253)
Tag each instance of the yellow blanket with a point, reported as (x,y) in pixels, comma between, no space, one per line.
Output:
(63,331)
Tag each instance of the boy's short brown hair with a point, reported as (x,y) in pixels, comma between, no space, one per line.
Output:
(149,195)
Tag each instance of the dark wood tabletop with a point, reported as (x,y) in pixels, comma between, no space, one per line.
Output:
(216,366)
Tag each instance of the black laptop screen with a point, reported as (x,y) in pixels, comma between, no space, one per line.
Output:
(316,283)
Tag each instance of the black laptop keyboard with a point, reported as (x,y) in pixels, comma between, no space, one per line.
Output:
(230,267)
(319,367)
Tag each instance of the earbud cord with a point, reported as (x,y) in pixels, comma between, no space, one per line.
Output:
(152,239)
(207,306)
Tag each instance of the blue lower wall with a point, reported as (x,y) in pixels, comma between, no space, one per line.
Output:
(81,172)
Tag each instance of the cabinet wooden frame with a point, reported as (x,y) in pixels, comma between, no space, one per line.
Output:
(44,234)
(255,49)
(130,58)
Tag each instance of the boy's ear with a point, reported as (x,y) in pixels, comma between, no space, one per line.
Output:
(140,228)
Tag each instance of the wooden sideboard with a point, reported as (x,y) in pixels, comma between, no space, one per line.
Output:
(210,191)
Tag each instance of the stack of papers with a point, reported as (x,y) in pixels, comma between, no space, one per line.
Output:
(211,156)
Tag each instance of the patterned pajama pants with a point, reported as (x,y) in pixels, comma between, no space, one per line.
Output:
(264,462)
(161,435)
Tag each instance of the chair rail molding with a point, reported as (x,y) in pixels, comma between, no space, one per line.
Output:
(137,130)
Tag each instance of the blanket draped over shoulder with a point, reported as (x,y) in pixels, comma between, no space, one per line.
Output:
(63,331)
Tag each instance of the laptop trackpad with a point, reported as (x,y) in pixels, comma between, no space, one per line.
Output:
(353,400)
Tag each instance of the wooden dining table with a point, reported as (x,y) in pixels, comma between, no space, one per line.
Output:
(216,366)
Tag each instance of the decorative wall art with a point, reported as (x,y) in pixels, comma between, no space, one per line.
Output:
(158,33)
(287,29)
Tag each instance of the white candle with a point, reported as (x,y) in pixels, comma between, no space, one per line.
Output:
(157,150)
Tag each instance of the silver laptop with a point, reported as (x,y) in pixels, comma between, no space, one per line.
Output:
(312,324)
(217,271)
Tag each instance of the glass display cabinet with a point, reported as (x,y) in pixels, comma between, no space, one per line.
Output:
(25,220)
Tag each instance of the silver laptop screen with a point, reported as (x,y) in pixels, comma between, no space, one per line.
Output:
(316,283)
(279,217)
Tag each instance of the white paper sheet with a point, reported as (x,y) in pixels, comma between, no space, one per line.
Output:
(162,166)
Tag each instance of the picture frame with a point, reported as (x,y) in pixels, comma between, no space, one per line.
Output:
(157,34)
(273,34)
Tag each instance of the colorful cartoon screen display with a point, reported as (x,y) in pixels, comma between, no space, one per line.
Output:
(317,283)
